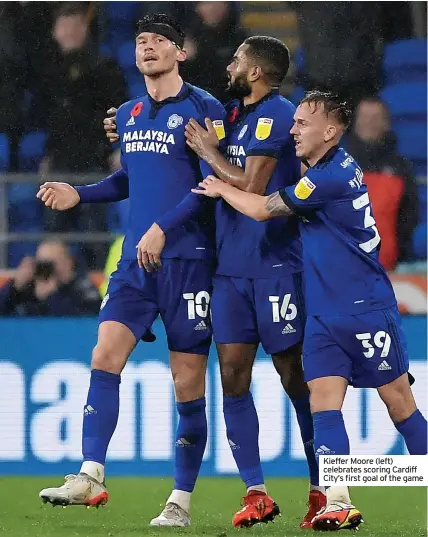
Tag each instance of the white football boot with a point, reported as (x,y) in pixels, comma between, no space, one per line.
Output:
(80,489)
(173,516)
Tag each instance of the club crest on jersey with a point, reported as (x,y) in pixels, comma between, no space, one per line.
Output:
(219,129)
(264,127)
(242,132)
(174,121)
(304,188)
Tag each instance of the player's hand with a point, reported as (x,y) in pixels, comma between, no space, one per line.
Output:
(58,196)
(110,125)
(150,247)
(24,273)
(200,140)
(211,187)
(43,289)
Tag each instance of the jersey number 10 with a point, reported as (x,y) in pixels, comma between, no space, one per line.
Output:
(369,222)
(197,305)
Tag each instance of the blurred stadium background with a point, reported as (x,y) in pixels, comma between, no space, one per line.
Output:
(63,64)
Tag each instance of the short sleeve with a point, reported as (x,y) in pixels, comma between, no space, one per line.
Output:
(313,191)
(271,130)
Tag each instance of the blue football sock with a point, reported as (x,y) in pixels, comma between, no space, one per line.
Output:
(330,437)
(191,439)
(100,415)
(242,427)
(414,431)
(306,424)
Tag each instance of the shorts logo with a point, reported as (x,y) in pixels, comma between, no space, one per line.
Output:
(304,188)
(264,127)
(384,366)
(288,329)
(201,326)
(104,302)
(174,121)
(219,129)
(242,132)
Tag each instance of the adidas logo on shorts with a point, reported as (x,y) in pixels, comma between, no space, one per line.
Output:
(324,450)
(201,326)
(289,329)
(384,366)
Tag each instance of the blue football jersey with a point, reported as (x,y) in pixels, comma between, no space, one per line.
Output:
(340,239)
(246,248)
(162,169)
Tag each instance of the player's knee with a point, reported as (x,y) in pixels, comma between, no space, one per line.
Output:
(189,383)
(105,359)
(327,393)
(398,398)
(235,380)
(289,368)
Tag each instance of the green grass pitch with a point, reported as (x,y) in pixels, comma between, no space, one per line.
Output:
(389,511)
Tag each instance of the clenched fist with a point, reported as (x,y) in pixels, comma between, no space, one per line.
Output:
(58,196)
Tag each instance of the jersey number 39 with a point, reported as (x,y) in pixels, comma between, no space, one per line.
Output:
(381,340)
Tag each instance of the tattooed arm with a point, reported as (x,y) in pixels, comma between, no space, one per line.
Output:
(259,208)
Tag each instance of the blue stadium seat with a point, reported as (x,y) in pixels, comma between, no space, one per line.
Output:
(299,59)
(31,150)
(405,61)
(297,95)
(412,139)
(125,55)
(422,195)
(4,152)
(420,241)
(17,250)
(406,100)
(122,11)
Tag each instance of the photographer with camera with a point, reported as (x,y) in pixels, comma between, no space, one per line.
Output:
(48,285)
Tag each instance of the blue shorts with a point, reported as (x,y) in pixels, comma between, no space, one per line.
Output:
(266,311)
(368,349)
(179,292)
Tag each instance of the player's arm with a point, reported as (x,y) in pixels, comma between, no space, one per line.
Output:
(204,143)
(255,206)
(316,189)
(62,196)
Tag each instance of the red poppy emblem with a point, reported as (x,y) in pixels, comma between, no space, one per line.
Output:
(136,111)
(233,114)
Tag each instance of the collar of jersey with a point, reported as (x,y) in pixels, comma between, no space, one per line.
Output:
(325,158)
(245,110)
(182,94)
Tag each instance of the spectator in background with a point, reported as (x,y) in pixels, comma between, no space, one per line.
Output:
(389,178)
(212,40)
(48,285)
(85,86)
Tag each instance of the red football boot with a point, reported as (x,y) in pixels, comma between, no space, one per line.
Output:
(258,507)
(317,500)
